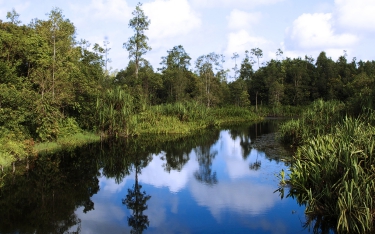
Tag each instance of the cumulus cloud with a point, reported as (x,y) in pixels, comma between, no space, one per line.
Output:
(170,18)
(316,31)
(242,20)
(233,3)
(356,14)
(101,10)
(242,40)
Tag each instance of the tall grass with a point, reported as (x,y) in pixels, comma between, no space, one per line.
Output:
(187,117)
(333,170)
(319,118)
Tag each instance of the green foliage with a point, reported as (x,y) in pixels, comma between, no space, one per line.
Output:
(68,127)
(115,110)
(334,174)
(318,119)
(13,147)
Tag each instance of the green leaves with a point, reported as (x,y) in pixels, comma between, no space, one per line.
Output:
(115,112)
(333,172)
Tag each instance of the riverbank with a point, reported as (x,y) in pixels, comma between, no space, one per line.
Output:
(75,140)
(160,123)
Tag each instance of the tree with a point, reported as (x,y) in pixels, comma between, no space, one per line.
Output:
(257,53)
(206,66)
(106,50)
(235,68)
(137,44)
(279,53)
(13,17)
(327,76)
(175,69)
(246,70)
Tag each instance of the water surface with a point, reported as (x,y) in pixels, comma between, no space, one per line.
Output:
(220,181)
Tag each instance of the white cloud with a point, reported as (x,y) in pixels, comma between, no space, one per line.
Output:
(103,10)
(316,31)
(242,20)
(356,14)
(242,40)
(170,18)
(234,3)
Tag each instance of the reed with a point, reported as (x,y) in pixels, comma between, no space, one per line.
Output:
(334,174)
(319,118)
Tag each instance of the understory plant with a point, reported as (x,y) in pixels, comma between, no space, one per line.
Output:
(319,118)
(334,175)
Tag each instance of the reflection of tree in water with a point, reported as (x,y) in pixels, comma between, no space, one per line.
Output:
(245,140)
(177,152)
(205,158)
(136,200)
(176,157)
(45,198)
(255,165)
(261,136)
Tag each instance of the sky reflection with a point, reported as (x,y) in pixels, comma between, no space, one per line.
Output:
(242,198)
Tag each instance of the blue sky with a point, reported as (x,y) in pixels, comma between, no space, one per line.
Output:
(298,27)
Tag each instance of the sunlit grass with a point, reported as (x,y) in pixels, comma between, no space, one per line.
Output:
(77,139)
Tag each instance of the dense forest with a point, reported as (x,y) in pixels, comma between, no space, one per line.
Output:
(53,85)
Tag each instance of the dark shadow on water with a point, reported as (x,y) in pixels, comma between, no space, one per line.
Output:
(45,198)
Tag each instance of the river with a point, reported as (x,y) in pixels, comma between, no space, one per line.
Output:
(218,181)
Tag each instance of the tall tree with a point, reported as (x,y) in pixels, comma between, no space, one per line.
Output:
(246,70)
(137,44)
(257,53)
(235,68)
(106,50)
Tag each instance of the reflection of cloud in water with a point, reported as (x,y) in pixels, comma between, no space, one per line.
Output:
(231,152)
(110,184)
(160,220)
(104,219)
(241,196)
(156,211)
(155,174)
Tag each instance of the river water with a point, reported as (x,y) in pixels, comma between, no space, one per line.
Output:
(218,181)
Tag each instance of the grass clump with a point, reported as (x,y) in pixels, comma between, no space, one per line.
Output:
(187,117)
(333,169)
(319,118)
